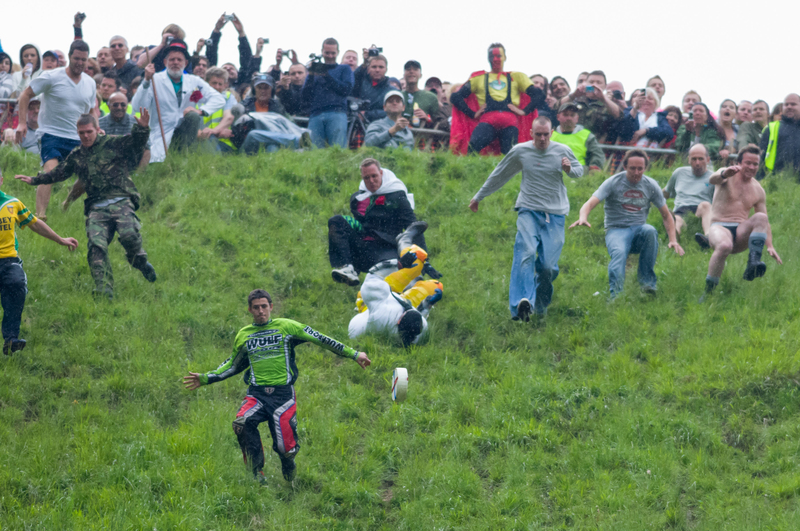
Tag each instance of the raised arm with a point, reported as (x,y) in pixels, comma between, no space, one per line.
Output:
(721,175)
(306,333)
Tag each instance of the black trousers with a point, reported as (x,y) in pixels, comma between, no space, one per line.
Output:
(13,289)
(485,133)
(348,246)
(276,406)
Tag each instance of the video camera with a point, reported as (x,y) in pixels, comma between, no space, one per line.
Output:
(374,52)
(317,67)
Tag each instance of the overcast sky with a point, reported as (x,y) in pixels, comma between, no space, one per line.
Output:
(715,48)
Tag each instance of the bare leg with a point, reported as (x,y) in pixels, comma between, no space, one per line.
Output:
(679,224)
(758,223)
(145,160)
(721,241)
(704,213)
(43,191)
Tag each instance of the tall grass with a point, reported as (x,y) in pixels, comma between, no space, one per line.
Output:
(637,414)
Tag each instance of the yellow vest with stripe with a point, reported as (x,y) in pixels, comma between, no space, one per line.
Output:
(105,110)
(575,141)
(772,147)
(213,120)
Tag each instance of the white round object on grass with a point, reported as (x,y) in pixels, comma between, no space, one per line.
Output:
(399,384)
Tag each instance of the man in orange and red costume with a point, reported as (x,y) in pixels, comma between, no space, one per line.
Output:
(494,105)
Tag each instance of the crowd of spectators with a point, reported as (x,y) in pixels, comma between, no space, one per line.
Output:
(345,100)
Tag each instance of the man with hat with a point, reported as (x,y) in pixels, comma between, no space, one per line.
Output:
(580,140)
(49,60)
(421,105)
(263,99)
(178,95)
(392,131)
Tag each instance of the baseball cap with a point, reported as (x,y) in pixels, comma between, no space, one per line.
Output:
(569,105)
(392,93)
(261,79)
(412,64)
(433,81)
(50,53)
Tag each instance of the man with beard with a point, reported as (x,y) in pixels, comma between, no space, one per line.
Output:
(178,95)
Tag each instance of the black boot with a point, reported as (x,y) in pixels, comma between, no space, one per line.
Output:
(755,267)
(288,468)
(709,290)
(702,240)
(13,345)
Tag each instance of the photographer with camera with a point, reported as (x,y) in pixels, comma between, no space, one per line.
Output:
(371,82)
(290,88)
(598,112)
(391,131)
(324,95)
(242,76)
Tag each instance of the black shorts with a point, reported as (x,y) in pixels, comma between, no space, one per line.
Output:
(730,226)
(680,211)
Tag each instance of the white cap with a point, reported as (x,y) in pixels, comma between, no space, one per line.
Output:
(392,93)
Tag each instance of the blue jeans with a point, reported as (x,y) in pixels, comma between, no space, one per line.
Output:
(540,238)
(639,239)
(328,128)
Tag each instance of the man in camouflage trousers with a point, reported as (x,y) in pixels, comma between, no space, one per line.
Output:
(101,164)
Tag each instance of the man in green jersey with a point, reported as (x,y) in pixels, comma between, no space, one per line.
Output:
(266,350)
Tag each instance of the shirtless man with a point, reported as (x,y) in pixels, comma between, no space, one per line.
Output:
(731,230)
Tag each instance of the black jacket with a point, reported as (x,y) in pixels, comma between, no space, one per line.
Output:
(383,216)
(274,106)
(365,90)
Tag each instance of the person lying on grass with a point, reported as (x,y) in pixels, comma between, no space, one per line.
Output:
(265,349)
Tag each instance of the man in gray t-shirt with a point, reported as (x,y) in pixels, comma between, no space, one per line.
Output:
(691,190)
(627,197)
(542,207)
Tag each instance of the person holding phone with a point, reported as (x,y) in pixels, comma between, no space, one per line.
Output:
(598,112)
(392,131)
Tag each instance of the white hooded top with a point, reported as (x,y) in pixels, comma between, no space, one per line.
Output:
(389,183)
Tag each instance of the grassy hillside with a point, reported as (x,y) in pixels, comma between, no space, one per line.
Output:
(637,414)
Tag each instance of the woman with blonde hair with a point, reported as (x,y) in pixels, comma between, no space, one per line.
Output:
(157,53)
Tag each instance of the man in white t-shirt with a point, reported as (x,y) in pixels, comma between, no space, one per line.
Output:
(627,197)
(66,94)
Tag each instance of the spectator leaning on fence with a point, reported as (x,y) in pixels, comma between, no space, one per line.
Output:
(391,131)
(580,140)
(689,100)
(324,96)
(780,142)
(178,96)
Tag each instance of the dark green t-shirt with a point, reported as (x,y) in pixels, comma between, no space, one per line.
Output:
(426,100)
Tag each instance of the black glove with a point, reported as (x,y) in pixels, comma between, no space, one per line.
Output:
(407,261)
(428,269)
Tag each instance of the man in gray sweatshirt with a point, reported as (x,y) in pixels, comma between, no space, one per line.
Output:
(542,206)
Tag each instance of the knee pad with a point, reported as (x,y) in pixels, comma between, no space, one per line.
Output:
(420,252)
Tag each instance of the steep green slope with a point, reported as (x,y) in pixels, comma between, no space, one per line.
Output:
(636,414)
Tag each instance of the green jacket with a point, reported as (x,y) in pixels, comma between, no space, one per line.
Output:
(267,352)
(749,133)
(708,137)
(103,168)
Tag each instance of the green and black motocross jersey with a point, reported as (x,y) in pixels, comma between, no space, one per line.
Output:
(268,351)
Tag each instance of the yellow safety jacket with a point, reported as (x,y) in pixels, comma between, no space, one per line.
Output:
(213,120)
(105,110)
(772,147)
(575,141)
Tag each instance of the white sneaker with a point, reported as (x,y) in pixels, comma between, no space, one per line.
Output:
(346,275)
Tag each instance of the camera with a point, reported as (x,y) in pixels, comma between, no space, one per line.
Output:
(317,67)
(374,52)
(82,16)
(209,42)
(266,40)
(617,94)
(228,18)
(590,88)
(170,39)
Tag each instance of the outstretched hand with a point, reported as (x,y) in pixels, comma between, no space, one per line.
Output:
(192,381)
(361,359)
(24,178)
(581,223)
(144,117)
(774,254)
(731,171)
(69,243)
(675,246)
